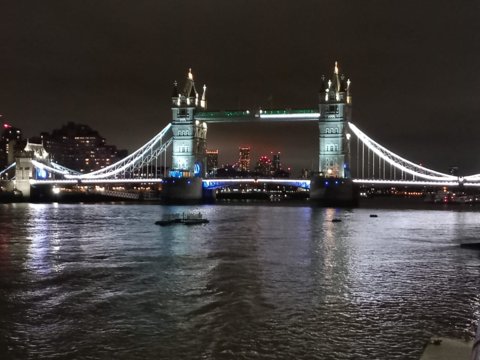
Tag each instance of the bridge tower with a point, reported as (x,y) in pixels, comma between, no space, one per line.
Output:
(189,144)
(335,107)
(189,135)
(333,185)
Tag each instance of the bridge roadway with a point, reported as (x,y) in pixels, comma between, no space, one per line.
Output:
(218,183)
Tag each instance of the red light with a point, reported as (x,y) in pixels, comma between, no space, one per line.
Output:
(6,126)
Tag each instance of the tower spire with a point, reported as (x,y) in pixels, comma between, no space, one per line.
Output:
(189,93)
(336,80)
(203,102)
(175,90)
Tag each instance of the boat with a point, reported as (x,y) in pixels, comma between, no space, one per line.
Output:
(471,245)
(184,218)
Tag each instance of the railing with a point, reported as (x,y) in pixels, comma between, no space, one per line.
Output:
(289,111)
(223,114)
(217,182)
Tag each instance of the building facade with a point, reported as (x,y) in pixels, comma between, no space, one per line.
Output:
(11,141)
(244,158)
(264,166)
(276,164)
(212,162)
(80,148)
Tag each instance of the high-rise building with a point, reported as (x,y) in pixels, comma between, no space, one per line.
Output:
(264,166)
(276,164)
(212,161)
(10,141)
(80,148)
(244,158)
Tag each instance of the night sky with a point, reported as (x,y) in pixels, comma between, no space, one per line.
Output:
(414,67)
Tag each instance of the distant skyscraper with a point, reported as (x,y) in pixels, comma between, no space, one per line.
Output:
(212,161)
(10,141)
(244,158)
(276,164)
(264,166)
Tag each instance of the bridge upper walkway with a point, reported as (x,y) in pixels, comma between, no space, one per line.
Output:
(247,116)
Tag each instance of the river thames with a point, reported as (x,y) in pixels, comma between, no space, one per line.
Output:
(257,282)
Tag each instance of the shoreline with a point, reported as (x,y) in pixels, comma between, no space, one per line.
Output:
(366,203)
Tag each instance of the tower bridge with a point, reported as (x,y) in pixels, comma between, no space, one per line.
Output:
(347,157)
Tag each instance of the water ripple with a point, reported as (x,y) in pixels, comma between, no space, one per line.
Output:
(258,282)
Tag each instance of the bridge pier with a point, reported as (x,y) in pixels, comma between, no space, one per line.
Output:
(23,174)
(209,195)
(182,190)
(330,191)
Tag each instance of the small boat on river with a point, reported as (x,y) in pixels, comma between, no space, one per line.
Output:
(471,245)
(184,218)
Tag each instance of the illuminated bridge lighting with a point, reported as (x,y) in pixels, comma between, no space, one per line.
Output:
(96,181)
(405,182)
(123,170)
(8,168)
(399,162)
(140,157)
(217,183)
(313,116)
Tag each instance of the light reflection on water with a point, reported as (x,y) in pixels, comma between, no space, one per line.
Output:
(103,281)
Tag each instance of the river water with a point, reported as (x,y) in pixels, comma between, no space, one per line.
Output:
(257,282)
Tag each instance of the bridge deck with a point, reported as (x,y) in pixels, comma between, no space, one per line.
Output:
(247,116)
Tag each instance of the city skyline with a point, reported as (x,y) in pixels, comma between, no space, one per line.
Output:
(409,92)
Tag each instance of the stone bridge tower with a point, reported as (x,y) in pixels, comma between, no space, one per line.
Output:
(189,135)
(333,185)
(188,147)
(335,105)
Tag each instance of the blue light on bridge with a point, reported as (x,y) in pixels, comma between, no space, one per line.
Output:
(176,173)
(197,169)
(41,173)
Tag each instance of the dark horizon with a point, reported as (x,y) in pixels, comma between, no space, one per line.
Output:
(111,65)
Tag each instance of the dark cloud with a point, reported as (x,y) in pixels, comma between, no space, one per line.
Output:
(111,64)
